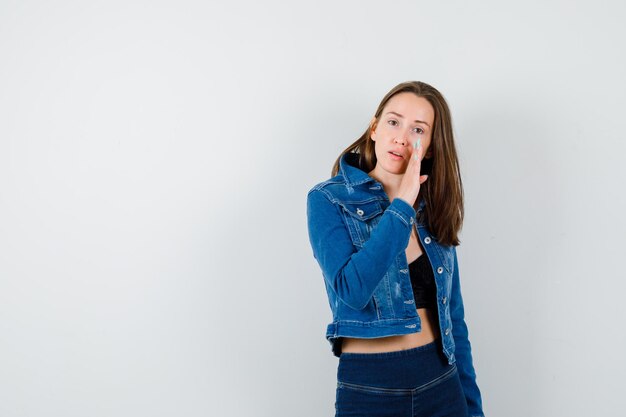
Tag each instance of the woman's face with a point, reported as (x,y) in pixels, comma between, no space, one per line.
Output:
(404,119)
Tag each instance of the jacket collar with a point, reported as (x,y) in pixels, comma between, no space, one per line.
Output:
(350,170)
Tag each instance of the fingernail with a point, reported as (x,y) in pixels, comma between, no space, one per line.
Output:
(415,145)
(415,157)
(419,142)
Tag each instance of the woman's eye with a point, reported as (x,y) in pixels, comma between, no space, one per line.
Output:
(418,130)
(392,122)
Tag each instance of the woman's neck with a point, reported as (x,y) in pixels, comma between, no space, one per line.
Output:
(390,182)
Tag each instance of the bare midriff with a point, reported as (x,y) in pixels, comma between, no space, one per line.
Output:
(428,334)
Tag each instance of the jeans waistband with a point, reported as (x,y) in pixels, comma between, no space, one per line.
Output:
(407,368)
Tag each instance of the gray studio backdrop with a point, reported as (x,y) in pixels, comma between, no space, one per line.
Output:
(154,164)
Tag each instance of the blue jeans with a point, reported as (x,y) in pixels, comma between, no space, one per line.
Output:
(416,382)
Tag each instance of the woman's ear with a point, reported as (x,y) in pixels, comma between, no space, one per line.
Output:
(373,124)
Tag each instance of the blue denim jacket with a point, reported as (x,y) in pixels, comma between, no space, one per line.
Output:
(359,239)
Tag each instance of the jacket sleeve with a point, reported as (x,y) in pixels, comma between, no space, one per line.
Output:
(463,349)
(353,275)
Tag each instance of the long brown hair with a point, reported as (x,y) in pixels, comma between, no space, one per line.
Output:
(443,191)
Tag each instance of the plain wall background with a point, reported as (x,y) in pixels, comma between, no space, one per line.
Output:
(154,162)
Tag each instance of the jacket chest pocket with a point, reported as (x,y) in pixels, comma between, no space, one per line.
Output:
(361,218)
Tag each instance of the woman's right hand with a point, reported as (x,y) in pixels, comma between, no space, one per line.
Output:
(411,181)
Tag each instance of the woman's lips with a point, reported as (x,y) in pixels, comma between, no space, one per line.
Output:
(395,157)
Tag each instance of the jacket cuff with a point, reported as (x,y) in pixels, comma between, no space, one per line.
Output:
(403,210)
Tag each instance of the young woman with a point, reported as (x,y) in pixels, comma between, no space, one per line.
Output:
(384,230)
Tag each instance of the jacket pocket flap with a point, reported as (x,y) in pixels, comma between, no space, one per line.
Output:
(363,210)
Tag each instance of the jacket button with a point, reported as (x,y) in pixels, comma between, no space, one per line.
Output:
(447,332)
(444,299)
(412,220)
(440,270)
(427,240)
(359,212)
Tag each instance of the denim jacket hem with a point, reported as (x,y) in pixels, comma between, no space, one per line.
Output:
(369,330)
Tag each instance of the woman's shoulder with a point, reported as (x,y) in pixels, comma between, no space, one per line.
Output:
(329,186)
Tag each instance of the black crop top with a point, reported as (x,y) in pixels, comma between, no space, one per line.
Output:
(423,282)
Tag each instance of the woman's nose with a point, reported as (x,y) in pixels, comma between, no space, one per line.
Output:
(401,140)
